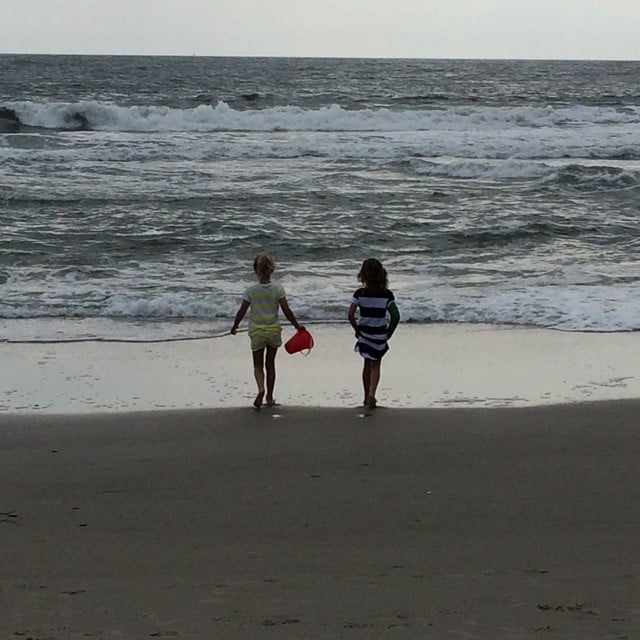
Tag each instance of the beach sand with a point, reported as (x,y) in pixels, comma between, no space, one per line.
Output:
(484,510)
(319,523)
(427,366)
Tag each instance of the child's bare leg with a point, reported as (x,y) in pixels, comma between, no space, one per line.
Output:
(366,375)
(258,372)
(271,373)
(374,379)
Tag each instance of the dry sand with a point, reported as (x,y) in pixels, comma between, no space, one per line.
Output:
(320,523)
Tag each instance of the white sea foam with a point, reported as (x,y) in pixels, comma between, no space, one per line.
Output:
(570,307)
(222,117)
(450,155)
(579,305)
(209,133)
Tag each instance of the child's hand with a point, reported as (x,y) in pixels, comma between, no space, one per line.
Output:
(234,330)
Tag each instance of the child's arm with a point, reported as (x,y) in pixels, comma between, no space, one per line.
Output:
(352,318)
(394,319)
(289,315)
(238,319)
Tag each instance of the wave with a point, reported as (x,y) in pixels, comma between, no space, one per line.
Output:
(463,135)
(591,160)
(527,175)
(536,231)
(12,121)
(93,115)
(572,303)
(592,178)
(592,175)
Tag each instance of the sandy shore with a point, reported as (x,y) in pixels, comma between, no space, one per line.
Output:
(317,523)
(428,366)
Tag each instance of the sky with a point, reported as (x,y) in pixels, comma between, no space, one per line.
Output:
(539,29)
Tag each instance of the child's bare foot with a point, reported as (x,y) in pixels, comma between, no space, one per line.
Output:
(257,403)
(271,402)
(371,403)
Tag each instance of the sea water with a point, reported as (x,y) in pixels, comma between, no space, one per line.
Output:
(135,191)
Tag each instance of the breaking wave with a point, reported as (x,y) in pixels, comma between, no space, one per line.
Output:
(222,117)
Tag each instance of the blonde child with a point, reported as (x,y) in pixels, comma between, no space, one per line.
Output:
(264,299)
(378,317)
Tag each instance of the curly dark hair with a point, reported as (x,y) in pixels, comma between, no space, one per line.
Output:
(373,275)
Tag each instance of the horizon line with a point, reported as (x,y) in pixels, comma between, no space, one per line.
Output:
(316,57)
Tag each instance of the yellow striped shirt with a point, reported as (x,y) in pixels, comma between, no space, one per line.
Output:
(263,300)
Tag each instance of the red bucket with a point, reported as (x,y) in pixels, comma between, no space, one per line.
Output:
(299,341)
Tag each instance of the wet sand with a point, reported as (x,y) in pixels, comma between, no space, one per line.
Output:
(428,366)
(313,522)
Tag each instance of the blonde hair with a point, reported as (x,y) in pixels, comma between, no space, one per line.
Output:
(264,265)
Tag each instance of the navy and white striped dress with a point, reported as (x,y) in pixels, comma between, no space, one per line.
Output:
(372,322)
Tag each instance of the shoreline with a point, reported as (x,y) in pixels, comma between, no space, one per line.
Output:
(427,366)
(38,420)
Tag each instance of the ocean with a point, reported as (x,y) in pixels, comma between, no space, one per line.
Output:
(135,191)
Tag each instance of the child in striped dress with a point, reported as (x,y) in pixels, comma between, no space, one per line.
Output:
(264,299)
(378,317)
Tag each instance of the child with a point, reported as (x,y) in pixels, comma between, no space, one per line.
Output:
(373,301)
(265,331)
